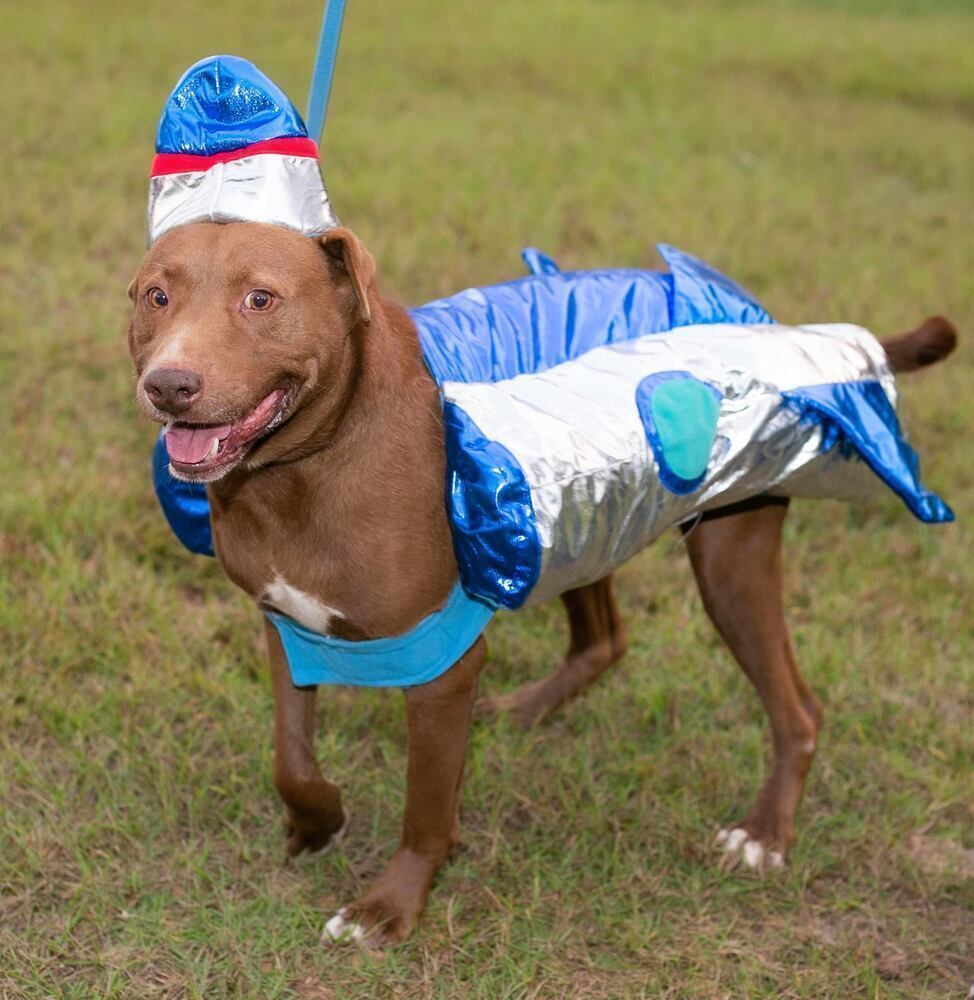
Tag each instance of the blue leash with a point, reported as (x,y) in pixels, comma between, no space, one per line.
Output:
(331,30)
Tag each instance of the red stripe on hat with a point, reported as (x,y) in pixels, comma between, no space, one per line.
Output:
(185,163)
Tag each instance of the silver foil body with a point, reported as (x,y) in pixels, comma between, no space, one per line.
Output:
(277,189)
(576,432)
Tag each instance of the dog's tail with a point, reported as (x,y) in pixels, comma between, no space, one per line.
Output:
(929,343)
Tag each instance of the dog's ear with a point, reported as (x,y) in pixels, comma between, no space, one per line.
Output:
(133,285)
(350,261)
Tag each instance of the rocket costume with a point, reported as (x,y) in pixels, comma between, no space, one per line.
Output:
(585,412)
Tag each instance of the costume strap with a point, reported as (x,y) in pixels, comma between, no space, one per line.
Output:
(418,657)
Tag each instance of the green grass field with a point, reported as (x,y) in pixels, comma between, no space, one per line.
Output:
(821,153)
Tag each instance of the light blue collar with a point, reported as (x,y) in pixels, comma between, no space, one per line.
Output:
(417,657)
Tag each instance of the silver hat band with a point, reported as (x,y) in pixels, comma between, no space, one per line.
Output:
(278,189)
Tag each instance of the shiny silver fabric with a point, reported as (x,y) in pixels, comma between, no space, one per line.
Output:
(268,187)
(576,432)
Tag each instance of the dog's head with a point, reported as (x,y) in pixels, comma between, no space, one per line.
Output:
(236,327)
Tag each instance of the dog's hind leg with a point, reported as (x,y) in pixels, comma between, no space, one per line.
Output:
(736,557)
(596,640)
(313,817)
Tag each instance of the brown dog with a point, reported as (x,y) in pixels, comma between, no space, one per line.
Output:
(326,495)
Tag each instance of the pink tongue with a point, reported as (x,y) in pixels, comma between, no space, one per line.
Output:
(189,445)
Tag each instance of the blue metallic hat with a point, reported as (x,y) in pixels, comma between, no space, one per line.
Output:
(231,147)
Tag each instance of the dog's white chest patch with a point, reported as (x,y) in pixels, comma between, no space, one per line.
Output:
(303,608)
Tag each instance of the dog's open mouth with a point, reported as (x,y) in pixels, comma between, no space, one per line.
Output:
(196,450)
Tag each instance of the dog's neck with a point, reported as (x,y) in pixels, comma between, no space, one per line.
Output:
(350,506)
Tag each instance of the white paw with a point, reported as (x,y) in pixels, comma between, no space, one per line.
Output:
(739,846)
(338,930)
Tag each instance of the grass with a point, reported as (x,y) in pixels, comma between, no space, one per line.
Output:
(818,151)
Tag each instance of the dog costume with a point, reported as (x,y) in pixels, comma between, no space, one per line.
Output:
(585,412)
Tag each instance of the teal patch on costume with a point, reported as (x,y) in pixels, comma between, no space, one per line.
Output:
(417,657)
(685,413)
(679,414)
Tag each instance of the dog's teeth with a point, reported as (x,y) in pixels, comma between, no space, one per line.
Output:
(214,448)
(167,428)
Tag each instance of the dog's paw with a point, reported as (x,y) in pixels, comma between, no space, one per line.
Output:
(740,847)
(341,929)
(372,925)
(305,843)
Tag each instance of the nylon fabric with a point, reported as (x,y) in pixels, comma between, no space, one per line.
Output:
(419,656)
(704,295)
(185,505)
(599,491)
(679,414)
(223,103)
(492,522)
(220,106)
(861,414)
(531,324)
(273,188)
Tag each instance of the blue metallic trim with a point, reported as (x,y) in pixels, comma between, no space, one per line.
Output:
(224,103)
(702,294)
(185,505)
(532,324)
(662,442)
(495,538)
(418,657)
(863,414)
(537,262)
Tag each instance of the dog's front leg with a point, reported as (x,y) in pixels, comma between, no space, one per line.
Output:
(313,817)
(438,724)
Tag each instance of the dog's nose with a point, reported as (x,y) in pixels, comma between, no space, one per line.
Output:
(172,389)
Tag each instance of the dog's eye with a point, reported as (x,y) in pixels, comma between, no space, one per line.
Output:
(156,298)
(259,299)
